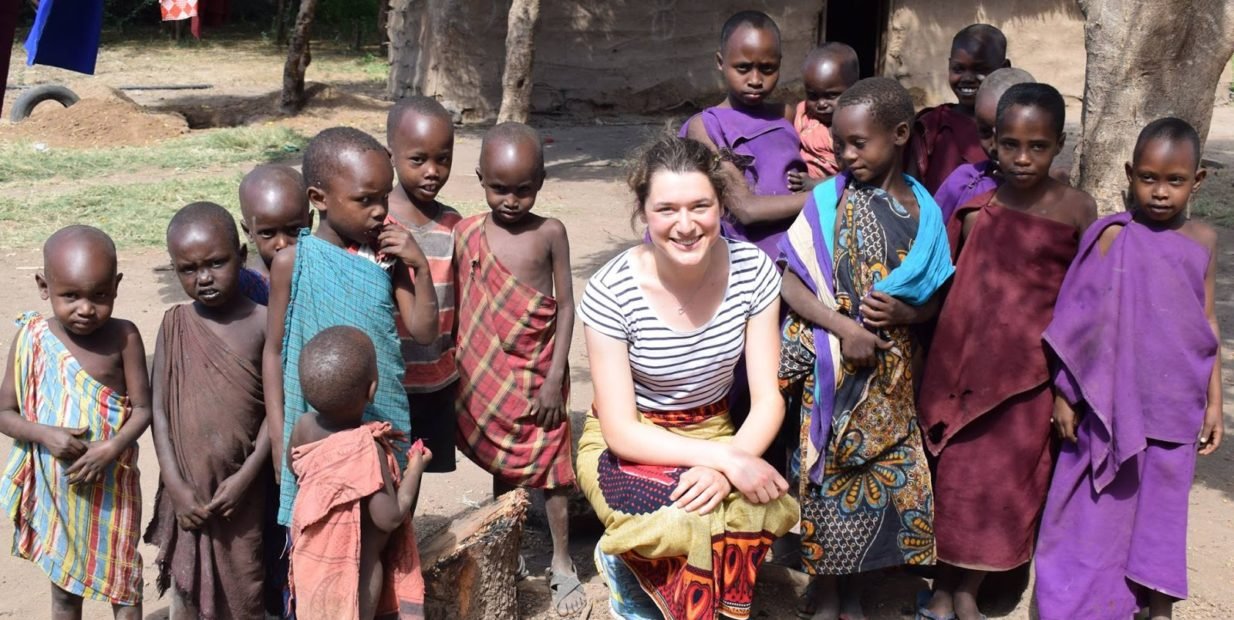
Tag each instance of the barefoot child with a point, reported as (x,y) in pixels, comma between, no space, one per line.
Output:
(863,264)
(209,431)
(353,552)
(421,137)
(354,270)
(972,180)
(75,398)
(757,135)
(516,314)
(944,137)
(273,209)
(985,398)
(828,71)
(1138,381)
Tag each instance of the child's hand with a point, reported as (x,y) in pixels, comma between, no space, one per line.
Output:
(418,458)
(860,346)
(881,311)
(548,408)
(1211,432)
(398,241)
(1064,419)
(88,468)
(700,489)
(63,443)
(191,510)
(797,181)
(227,495)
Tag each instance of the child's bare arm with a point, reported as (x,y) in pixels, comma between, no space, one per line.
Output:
(190,509)
(549,406)
(417,300)
(99,454)
(1214,416)
(231,490)
(745,206)
(63,443)
(390,507)
(272,352)
(857,344)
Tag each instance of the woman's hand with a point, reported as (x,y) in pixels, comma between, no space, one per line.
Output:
(754,478)
(700,489)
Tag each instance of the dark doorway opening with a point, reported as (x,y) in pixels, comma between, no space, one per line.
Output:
(861,25)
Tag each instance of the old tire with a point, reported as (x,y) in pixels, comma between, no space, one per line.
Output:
(24,105)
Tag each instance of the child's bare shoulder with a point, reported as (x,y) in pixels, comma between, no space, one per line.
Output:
(1078,206)
(552,228)
(1200,232)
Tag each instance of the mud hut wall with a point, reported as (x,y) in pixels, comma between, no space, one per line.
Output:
(591,55)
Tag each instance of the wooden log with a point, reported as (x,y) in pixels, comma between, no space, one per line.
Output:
(469,566)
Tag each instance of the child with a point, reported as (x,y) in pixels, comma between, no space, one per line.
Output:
(273,209)
(75,398)
(209,430)
(945,137)
(863,263)
(353,552)
(827,72)
(985,398)
(344,274)
(1136,303)
(972,180)
(756,134)
(421,136)
(516,315)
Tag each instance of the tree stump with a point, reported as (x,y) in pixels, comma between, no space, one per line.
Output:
(469,566)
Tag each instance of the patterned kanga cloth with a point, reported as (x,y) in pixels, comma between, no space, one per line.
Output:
(509,334)
(694,567)
(83,537)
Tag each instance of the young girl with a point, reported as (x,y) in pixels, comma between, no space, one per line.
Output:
(757,133)
(1136,304)
(864,261)
(985,399)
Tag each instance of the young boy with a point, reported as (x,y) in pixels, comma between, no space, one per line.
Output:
(354,270)
(985,397)
(75,398)
(828,71)
(209,430)
(421,136)
(755,135)
(864,481)
(945,137)
(273,209)
(353,552)
(516,316)
(972,180)
(1137,302)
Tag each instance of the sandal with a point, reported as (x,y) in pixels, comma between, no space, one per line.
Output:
(923,609)
(562,587)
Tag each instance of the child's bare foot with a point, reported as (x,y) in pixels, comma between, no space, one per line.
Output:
(938,606)
(567,591)
(825,598)
(966,606)
(850,603)
(1160,606)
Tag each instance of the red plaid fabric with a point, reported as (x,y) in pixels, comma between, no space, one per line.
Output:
(506,335)
(173,10)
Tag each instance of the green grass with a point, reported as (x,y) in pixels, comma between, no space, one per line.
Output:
(23,162)
(134,214)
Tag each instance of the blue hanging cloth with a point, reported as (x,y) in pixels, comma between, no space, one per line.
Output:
(66,35)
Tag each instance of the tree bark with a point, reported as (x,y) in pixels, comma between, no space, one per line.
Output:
(298,59)
(469,566)
(520,51)
(1146,59)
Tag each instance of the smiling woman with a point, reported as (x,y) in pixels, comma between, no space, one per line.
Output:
(660,460)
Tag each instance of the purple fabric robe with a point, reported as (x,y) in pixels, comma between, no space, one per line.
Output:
(962,185)
(768,148)
(1135,353)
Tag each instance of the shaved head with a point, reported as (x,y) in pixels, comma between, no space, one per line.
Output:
(508,139)
(419,105)
(78,242)
(982,38)
(337,368)
(997,83)
(272,188)
(203,216)
(843,55)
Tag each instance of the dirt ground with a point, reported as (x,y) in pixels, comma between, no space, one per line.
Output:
(585,190)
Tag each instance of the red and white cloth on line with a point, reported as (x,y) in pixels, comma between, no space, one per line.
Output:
(173,10)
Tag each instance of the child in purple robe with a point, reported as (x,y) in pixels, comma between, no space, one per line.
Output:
(972,180)
(1138,393)
(755,136)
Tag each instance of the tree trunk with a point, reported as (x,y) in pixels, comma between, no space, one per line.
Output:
(1146,59)
(298,59)
(469,566)
(383,22)
(520,51)
(280,23)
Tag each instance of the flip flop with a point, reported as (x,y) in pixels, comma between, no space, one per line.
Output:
(923,610)
(562,586)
